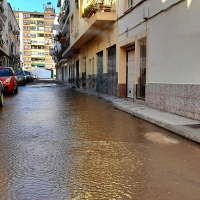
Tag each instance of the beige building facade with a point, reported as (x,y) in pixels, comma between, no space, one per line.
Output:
(89,47)
(143,50)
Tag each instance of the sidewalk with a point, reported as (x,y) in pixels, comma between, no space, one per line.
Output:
(183,126)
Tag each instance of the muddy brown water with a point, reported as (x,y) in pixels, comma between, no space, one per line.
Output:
(60,144)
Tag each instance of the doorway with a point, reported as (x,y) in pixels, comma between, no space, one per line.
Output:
(130,72)
(84,73)
(77,73)
(112,85)
(100,71)
(142,78)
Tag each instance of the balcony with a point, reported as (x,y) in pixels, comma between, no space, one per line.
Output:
(65,28)
(1,42)
(51,51)
(2,14)
(64,21)
(99,5)
(99,18)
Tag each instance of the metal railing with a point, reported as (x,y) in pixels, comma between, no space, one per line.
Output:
(66,44)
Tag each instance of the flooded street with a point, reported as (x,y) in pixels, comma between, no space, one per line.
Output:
(57,144)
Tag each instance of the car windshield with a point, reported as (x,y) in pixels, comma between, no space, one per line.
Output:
(5,72)
(27,73)
(19,72)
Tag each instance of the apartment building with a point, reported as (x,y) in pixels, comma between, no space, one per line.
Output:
(9,37)
(143,50)
(88,37)
(37,37)
(13,40)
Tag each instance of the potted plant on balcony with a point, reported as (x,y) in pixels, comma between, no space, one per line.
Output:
(59,55)
(86,11)
(89,11)
(93,9)
(58,36)
(100,4)
(107,8)
(62,39)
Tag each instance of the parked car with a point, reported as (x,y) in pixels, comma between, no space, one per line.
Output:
(9,79)
(1,94)
(21,76)
(29,77)
(35,76)
(32,76)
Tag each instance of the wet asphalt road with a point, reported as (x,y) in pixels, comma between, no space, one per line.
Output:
(60,144)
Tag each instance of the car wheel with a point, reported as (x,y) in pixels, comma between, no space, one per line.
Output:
(13,91)
(1,100)
(16,90)
(24,83)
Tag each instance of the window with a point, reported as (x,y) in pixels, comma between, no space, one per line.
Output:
(33,28)
(40,35)
(130,3)
(33,35)
(41,28)
(5,72)
(72,23)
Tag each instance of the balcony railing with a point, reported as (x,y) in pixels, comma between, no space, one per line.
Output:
(1,42)
(65,4)
(100,6)
(67,43)
(64,15)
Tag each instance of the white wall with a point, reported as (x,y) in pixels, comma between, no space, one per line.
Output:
(173,40)
(41,73)
(174,45)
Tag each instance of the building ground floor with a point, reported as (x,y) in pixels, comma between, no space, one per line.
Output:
(146,63)
(9,61)
(124,70)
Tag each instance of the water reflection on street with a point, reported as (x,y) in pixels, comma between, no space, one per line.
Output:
(60,144)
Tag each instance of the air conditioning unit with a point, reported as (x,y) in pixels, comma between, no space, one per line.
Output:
(145,12)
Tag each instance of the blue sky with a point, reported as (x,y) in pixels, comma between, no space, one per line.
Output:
(31,5)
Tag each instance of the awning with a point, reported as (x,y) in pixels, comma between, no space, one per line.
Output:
(62,61)
(41,65)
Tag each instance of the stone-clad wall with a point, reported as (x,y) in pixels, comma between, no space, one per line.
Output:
(92,82)
(105,83)
(181,99)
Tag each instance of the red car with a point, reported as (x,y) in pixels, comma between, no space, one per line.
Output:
(9,79)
